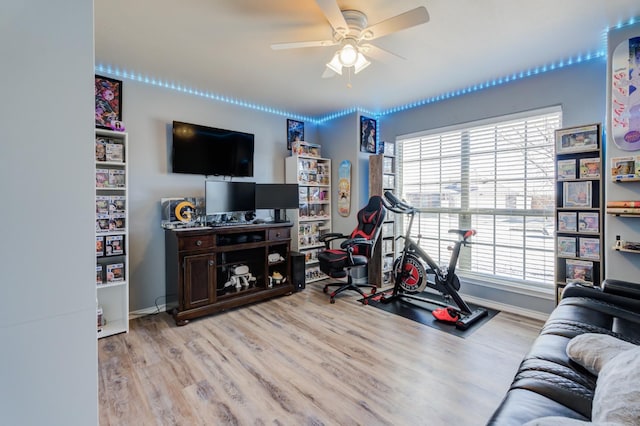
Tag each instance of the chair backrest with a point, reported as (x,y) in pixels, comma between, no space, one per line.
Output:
(370,219)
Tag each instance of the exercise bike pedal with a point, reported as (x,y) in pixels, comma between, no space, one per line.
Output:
(446,315)
(467,321)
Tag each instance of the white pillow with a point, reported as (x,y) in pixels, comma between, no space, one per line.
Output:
(617,396)
(593,350)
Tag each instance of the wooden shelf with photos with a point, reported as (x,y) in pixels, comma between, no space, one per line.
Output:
(579,207)
(312,173)
(112,235)
(382,178)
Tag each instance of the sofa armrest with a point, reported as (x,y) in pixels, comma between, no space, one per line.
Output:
(615,295)
(621,288)
(581,290)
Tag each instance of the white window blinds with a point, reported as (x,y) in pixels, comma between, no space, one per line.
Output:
(495,177)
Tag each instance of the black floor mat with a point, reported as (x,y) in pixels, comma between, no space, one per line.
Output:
(421,311)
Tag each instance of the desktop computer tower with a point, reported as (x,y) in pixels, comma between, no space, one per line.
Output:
(297,270)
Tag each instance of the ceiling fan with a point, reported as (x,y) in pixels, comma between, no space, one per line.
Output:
(352,33)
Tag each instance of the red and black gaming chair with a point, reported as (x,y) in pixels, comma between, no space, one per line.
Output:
(355,251)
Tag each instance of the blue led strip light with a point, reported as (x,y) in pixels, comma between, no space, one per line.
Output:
(600,54)
(320,120)
(498,81)
(123,74)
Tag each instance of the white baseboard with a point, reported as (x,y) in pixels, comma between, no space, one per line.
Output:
(147,311)
(542,316)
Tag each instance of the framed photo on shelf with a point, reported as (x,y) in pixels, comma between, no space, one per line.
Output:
(590,248)
(101,149)
(115,272)
(577,194)
(566,169)
(578,139)
(567,247)
(579,271)
(99,246)
(589,222)
(567,222)
(589,168)
(108,93)
(295,132)
(368,131)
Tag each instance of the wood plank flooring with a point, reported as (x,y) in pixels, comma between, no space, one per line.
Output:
(298,360)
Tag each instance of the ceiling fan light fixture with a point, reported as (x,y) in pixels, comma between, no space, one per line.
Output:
(348,55)
(335,64)
(361,63)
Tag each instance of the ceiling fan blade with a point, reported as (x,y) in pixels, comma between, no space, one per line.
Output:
(405,20)
(334,15)
(299,44)
(328,73)
(378,53)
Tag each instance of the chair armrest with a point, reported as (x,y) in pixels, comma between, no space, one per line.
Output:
(621,288)
(355,241)
(329,237)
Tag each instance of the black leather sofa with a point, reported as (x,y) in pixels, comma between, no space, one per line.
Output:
(547,382)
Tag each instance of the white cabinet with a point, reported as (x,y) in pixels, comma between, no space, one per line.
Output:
(112,232)
(313,218)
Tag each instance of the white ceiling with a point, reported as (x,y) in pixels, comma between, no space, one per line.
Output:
(223,46)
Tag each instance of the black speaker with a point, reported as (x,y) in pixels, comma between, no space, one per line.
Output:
(297,270)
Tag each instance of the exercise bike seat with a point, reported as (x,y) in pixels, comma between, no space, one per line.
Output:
(464,233)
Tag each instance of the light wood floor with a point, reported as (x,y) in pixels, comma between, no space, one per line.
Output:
(298,360)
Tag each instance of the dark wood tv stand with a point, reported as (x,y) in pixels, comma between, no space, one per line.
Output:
(199,261)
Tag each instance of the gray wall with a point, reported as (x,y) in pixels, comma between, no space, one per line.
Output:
(579,89)
(340,141)
(48,294)
(148,113)
(619,265)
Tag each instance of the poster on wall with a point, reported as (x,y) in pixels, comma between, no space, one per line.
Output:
(295,132)
(625,95)
(368,134)
(344,188)
(108,93)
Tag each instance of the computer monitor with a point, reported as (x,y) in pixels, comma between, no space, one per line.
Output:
(224,197)
(276,196)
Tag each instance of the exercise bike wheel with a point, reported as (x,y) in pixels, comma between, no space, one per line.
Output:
(413,276)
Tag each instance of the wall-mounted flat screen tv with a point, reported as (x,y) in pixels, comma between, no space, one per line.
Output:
(210,151)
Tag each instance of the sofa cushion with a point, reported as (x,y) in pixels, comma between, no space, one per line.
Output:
(617,364)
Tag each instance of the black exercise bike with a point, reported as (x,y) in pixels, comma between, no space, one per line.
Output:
(411,277)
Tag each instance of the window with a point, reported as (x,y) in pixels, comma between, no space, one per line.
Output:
(496,177)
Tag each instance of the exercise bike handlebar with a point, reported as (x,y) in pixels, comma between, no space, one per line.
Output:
(396,205)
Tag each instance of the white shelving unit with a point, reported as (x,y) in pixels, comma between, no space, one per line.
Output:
(313,218)
(112,232)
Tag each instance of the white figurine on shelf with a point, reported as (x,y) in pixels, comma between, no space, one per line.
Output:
(241,278)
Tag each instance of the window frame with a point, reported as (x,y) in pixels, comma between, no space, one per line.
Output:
(547,255)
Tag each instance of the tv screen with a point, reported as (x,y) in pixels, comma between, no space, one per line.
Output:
(209,151)
(276,196)
(224,197)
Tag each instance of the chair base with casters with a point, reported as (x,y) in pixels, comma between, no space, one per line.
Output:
(328,265)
